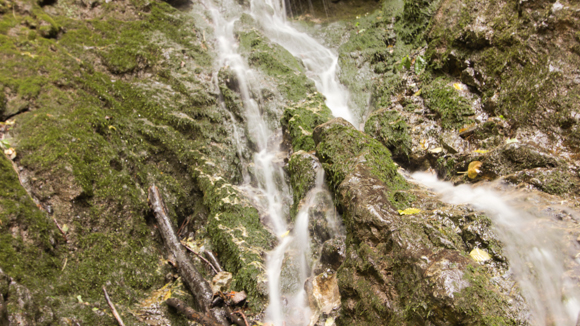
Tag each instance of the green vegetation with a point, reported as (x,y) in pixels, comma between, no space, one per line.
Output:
(452,109)
(301,118)
(388,127)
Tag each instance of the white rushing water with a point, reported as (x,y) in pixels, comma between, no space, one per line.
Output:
(320,62)
(290,307)
(533,248)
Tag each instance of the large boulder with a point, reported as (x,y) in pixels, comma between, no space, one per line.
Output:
(405,269)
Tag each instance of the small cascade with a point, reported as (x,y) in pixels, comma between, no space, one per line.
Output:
(320,62)
(289,265)
(533,244)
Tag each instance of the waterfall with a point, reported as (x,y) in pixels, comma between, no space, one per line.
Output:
(320,62)
(321,65)
(532,245)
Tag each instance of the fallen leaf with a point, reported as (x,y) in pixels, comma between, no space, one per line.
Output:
(473,169)
(417,93)
(479,255)
(436,150)
(285,234)
(459,86)
(65,228)
(28,54)
(80,299)
(410,211)
(112,128)
(511,140)
(480,151)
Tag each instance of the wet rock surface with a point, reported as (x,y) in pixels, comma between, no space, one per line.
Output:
(399,263)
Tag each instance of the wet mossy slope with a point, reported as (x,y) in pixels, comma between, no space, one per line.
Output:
(104,100)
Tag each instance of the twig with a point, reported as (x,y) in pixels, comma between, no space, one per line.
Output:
(112,306)
(237,320)
(191,314)
(240,312)
(191,277)
(60,229)
(185,223)
(213,260)
(200,257)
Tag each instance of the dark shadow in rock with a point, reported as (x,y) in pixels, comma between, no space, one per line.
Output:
(180,4)
(43,3)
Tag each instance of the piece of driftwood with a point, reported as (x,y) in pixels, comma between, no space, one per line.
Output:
(190,313)
(197,285)
(112,306)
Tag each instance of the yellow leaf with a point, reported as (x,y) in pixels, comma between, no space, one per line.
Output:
(167,295)
(112,128)
(410,211)
(285,234)
(417,93)
(28,54)
(479,255)
(436,150)
(473,169)
(481,151)
(64,228)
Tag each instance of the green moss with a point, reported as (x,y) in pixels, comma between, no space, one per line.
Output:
(301,118)
(301,168)
(31,260)
(415,19)
(277,62)
(452,109)
(340,148)
(388,127)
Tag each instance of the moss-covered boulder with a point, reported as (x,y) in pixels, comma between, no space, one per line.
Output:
(301,118)
(400,269)
(391,130)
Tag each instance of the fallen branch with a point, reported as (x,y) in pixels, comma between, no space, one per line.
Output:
(112,306)
(197,285)
(200,257)
(191,314)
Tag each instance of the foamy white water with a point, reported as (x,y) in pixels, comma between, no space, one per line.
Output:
(532,249)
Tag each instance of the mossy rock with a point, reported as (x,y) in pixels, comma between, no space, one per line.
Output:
(341,148)
(275,61)
(302,169)
(390,128)
(452,109)
(300,119)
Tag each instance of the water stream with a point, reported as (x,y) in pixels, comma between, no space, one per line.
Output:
(287,304)
(535,251)
(534,244)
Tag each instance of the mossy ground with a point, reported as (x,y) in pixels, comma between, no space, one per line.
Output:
(117,101)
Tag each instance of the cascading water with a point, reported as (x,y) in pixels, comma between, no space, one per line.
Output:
(321,65)
(533,247)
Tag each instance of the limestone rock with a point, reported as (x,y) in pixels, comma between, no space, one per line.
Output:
(221,282)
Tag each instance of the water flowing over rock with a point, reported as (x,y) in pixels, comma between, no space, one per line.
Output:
(248,116)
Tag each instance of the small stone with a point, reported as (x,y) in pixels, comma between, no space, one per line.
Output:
(238,297)
(221,282)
